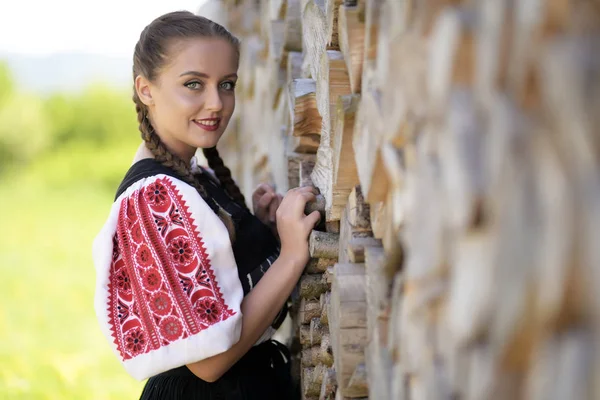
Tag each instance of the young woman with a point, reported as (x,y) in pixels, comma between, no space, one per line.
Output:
(190,284)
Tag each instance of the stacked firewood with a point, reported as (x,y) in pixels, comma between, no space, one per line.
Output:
(456,145)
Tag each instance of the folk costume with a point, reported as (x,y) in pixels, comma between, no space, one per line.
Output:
(169,286)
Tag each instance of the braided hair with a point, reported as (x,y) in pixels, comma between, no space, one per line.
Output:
(149,56)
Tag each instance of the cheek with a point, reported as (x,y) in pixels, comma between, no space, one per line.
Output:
(228,104)
(177,104)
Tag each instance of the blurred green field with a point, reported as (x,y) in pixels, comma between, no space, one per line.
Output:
(61,159)
(50,343)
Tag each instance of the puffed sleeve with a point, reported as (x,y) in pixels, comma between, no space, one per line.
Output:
(167,289)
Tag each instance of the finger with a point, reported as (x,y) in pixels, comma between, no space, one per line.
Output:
(311,189)
(264,201)
(313,219)
(306,198)
(261,190)
(273,209)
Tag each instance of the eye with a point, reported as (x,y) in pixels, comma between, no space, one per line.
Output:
(194,85)
(228,85)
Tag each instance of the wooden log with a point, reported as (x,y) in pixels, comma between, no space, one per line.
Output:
(317,330)
(324,301)
(294,66)
(352,241)
(312,286)
(328,385)
(304,336)
(308,388)
(304,144)
(344,175)
(352,43)
(319,265)
(359,212)
(292,37)
(310,356)
(358,385)
(317,205)
(294,160)
(379,364)
(276,41)
(366,143)
(306,168)
(347,321)
(452,58)
(305,117)
(332,15)
(332,82)
(309,309)
(372,10)
(378,287)
(348,295)
(332,226)
(326,351)
(323,244)
(314,380)
(314,34)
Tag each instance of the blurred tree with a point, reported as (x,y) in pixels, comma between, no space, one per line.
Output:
(24,129)
(96,118)
(6,82)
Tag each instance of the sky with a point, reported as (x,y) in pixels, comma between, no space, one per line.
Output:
(107,27)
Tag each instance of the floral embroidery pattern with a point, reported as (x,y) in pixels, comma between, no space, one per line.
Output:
(160,272)
(136,233)
(208,310)
(135,341)
(160,303)
(181,251)
(123,280)
(171,328)
(152,279)
(156,194)
(144,256)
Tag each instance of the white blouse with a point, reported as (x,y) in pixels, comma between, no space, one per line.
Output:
(167,286)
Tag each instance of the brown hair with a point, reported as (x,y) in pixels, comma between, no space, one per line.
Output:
(149,56)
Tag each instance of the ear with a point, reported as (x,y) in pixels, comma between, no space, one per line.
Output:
(144,92)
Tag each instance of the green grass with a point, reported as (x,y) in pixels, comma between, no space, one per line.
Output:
(51,346)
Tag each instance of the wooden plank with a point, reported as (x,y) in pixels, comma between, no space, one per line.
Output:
(345,176)
(352,43)
(314,34)
(304,116)
(292,37)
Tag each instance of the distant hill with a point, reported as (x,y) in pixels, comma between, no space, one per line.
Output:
(67,71)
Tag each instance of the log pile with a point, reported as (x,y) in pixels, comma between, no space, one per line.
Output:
(456,146)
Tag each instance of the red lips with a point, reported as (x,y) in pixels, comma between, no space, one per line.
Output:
(210,128)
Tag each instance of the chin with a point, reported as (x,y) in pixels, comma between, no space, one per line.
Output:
(207,142)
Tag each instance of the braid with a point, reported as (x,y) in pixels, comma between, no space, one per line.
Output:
(168,159)
(215,162)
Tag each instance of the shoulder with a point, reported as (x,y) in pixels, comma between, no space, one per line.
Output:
(163,254)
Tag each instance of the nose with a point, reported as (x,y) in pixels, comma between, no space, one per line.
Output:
(213,100)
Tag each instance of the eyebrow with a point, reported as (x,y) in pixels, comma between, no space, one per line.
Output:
(203,75)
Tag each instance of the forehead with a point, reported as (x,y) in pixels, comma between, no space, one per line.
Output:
(213,56)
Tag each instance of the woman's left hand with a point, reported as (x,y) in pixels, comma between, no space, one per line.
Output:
(265,202)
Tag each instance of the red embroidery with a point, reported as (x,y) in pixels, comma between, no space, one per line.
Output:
(162,287)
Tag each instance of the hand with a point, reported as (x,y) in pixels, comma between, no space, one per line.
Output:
(265,203)
(293,225)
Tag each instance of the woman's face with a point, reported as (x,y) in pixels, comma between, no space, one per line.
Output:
(192,99)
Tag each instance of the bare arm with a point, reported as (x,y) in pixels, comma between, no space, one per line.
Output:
(261,305)
(259,309)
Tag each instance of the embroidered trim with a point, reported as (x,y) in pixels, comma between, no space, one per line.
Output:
(162,287)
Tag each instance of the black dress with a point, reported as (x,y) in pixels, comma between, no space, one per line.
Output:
(262,373)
